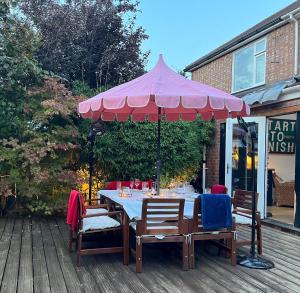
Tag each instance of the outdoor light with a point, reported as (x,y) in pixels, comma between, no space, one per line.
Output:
(252,261)
(95,129)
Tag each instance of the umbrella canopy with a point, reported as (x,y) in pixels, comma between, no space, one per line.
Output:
(178,98)
(162,93)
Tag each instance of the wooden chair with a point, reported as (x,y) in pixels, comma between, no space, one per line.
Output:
(94,223)
(198,233)
(90,210)
(162,221)
(242,211)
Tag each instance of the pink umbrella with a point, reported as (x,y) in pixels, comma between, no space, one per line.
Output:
(162,93)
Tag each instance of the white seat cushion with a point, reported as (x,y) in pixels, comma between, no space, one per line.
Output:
(98,223)
(95,211)
(240,219)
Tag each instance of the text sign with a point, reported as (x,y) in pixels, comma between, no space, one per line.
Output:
(282,136)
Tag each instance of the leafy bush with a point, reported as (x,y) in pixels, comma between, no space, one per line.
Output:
(128,150)
(39,208)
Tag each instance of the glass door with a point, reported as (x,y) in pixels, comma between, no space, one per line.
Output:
(238,159)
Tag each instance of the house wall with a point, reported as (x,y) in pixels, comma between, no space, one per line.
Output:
(218,73)
(279,63)
(280,54)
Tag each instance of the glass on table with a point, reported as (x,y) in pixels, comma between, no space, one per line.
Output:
(131,184)
(153,188)
(207,190)
(145,186)
(119,185)
(126,192)
(137,183)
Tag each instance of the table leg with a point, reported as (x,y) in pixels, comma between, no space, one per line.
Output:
(126,239)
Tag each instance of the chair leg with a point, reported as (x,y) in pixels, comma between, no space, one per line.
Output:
(192,254)
(232,242)
(259,238)
(138,256)
(79,243)
(185,255)
(70,240)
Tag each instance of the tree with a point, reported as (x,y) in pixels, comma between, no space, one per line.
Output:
(95,41)
(44,155)
(18,69)
(38,120)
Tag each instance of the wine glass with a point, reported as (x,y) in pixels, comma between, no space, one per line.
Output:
(131,184)
(153,188)
(137,183)
(119,185)
(145,186)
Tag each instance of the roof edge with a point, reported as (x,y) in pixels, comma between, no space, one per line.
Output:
(196,64)
(266,24)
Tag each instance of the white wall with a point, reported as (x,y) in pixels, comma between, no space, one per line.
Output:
(284,164)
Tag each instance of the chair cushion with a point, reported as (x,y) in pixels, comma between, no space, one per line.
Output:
(240,219)
(95,211)
(98,223)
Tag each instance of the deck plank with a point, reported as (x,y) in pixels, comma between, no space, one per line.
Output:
(36,259)
(223,263)
(25,281)
(281,275)
(9,284)
(70,275)
(56,278)
(40,271)
(6,234)
(85,276)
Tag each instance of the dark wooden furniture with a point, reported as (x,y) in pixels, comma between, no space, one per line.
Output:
(107,222)
(242,210)
(162,221)
(198,233)
(90,209)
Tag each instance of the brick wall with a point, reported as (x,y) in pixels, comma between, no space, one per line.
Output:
(280,54)
(213,159)
(279,65)
(279,62)
(216,73)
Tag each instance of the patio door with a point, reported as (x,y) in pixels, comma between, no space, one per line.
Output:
(238,159)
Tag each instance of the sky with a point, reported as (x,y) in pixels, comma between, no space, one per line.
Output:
(185,30)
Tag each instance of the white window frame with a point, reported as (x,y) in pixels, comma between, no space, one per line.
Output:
(255,55)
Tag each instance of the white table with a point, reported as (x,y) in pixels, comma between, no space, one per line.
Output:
(132,205)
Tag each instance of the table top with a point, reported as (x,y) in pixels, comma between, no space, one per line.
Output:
(133,204)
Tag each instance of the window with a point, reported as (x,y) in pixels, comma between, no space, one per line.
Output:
(249,66)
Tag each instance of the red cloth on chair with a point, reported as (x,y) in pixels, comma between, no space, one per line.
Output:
(218,189)
(73,209)
(113,185)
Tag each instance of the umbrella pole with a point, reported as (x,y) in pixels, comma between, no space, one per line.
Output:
(158,151)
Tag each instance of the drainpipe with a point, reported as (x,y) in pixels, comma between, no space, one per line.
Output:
(296,47)
(296,42)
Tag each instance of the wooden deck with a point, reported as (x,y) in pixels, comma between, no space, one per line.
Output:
(34,258)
